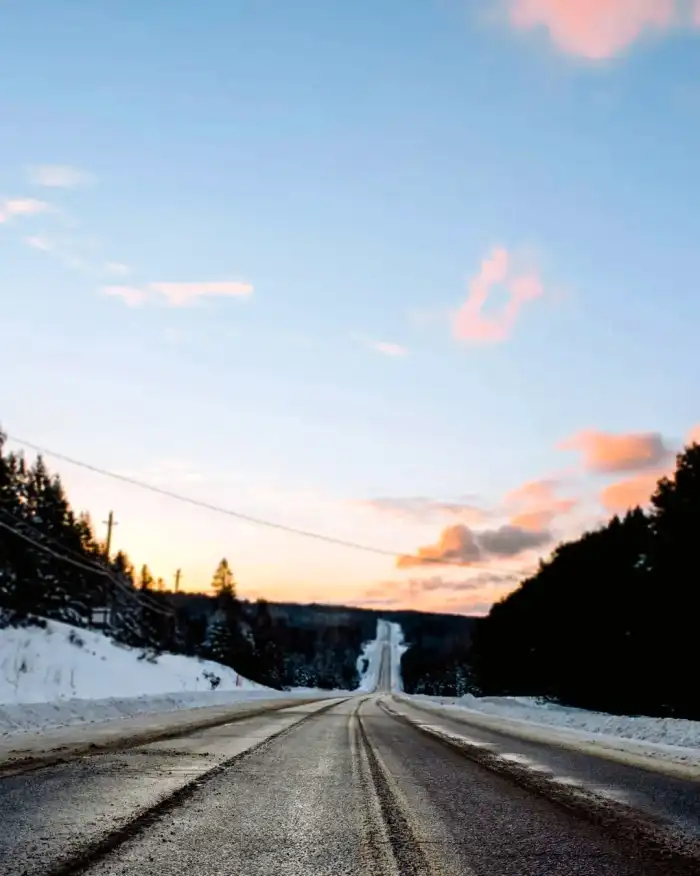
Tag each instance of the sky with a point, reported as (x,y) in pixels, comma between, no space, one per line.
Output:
(419,275)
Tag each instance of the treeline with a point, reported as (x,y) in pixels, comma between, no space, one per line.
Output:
(53,566)
(437,660)
(610,621)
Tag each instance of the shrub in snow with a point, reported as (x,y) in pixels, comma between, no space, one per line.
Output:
(75,639)
(214,680)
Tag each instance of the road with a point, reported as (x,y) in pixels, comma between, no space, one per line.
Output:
(345,786)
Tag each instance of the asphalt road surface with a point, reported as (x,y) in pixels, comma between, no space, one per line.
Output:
(346,786)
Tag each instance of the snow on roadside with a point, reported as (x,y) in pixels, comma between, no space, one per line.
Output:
(658,743)
(398,649)
(368,664)
(33,717)
(63,675)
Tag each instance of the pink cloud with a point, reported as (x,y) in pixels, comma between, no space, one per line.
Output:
(600,29)
(623,495)
(497,270)
(606,452)
(178,294)
(535,505)
(387,348)
(22,207)
(472,595)
(694,434)
(182,294)
(459,545)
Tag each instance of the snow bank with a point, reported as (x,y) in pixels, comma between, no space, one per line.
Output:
(26,717)
(63,675)
(64,662)
(675,732)
(389,636)
(368,664)
(397,648)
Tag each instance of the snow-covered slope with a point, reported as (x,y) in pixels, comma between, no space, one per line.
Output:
(64,662)
(62,675)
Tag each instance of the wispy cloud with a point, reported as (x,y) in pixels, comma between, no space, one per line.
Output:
(607,452)
(117,269)
(132,296)
(36,241)
(601,29)
(386,348)
(13,207)
(474,594)
(421,509)
(536,504)
(178,294)
(498,270)
(461,546)
(62,250)
(61,176)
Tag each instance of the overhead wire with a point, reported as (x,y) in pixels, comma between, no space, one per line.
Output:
(247,518)
(87,567)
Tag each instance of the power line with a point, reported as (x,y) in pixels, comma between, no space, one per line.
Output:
(66,552)
(84,566)
(247,518)
(89,567)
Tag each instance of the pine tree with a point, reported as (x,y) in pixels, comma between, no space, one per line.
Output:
(145,578)
(223,581)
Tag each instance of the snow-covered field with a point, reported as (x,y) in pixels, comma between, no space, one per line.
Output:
(63,675)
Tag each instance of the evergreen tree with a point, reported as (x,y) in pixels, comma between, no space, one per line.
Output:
(145,578)
(223,580)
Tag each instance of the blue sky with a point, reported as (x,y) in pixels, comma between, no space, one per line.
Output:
(354,175)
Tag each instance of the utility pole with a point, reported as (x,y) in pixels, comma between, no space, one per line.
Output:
(177,579)
(110,522)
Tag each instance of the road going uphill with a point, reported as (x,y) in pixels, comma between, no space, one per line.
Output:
(355,785)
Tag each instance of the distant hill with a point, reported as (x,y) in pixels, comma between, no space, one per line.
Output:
(418,626)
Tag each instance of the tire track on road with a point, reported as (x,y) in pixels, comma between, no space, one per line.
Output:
(63,754)
(101,848)
(392,838)
(648,838)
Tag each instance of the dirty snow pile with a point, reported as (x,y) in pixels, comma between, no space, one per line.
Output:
(61,675)
(524,711)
